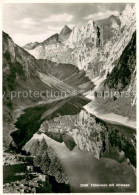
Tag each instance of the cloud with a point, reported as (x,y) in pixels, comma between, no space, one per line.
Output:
(101,15)
(71,26)
(58,18)
(22,39)
(26,22)
(54,28)
(37,22)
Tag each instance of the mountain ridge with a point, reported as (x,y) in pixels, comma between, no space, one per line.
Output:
(53,39)
(105,39)
(22,72)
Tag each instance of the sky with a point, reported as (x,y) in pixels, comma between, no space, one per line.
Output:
(27,22)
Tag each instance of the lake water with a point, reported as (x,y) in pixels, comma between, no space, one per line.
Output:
(82,168)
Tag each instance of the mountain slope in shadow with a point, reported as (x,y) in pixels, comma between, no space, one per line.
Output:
(22,73)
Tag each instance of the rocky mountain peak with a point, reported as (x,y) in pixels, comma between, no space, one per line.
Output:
(54,39)
(31,45)
(64,33)
(65,29)
(90,23)
(127,16)
(51,40)
(102,38)
(128,8)
(108,21)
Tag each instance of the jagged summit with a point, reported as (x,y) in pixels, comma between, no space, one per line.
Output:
(76,93)
(31,45)
(128,15)
(128,8)
(109,20)
(51,40)
(54,39)
(65,29)
(107,34)
(6,37)
(64,33)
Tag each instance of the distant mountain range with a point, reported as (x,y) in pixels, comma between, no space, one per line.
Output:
(93,47)
(54,39)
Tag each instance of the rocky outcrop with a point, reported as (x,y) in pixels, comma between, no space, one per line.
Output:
(51,40)
(64,33)
(81,128)
(31,46)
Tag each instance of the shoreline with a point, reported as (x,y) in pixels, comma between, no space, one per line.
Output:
(112,118)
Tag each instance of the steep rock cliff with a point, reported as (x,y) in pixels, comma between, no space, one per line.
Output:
(94,47)
(91,134)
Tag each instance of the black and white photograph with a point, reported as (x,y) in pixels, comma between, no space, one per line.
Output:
(69,97)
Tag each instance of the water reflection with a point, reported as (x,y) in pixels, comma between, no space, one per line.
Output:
(82,167)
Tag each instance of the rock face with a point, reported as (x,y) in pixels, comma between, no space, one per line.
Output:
(94,135)
(54,39)
(94,47)
(19,74)
(118,90)
(99,44)
(65,33)
(31,46)
(51,40)
(128,16)
(98,48)
(81,128)
(19,69)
